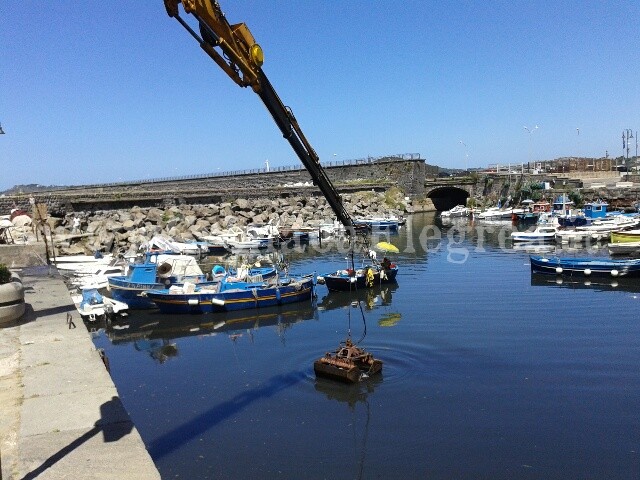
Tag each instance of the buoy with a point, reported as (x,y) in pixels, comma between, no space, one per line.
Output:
(587,271)
(558,269)
(614,273)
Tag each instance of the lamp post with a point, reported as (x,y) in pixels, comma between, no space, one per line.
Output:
(466,156)
(530,130)
(627,134)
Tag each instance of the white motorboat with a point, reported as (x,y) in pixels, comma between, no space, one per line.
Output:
(93,306)
(68,264)
(98,276)
(609,224)
(235,238)
(575,236)
(457,211)
(495,213)
(541,234)
(167,245)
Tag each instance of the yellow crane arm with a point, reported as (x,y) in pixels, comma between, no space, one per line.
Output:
(235,50)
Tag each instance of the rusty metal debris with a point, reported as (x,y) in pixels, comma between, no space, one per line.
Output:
(348,363)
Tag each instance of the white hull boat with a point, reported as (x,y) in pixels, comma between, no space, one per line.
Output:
(457,211)
(541,234)
(93,306)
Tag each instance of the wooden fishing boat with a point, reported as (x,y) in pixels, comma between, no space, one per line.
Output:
(625,236)
(585,266)
(227,295)
(366,277)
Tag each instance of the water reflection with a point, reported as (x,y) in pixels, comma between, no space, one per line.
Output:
(352,395)
(598,284)
(349,393)
(376,296)
(156,334)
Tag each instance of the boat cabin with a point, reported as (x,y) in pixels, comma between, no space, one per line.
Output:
(562,206)
(541,207)
(595,210)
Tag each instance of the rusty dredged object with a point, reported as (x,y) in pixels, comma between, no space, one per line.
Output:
(348,363)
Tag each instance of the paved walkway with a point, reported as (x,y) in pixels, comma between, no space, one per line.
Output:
(61,417)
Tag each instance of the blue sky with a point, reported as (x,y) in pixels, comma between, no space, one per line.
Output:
(109,90)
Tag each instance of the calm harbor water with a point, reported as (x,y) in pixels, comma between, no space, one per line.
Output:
(488,373)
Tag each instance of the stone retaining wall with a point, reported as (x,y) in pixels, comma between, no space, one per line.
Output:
(381,174)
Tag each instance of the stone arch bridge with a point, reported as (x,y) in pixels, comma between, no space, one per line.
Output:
(447,193)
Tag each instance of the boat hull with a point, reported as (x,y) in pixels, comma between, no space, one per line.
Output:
(342,281)
(231,300)
(585,266)
(624,237)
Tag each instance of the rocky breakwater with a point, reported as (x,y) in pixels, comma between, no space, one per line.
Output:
(126,230)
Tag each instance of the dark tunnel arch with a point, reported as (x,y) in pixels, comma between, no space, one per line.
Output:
(445,198)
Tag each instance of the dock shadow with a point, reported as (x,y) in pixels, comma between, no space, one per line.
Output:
(114,423)
(175,438)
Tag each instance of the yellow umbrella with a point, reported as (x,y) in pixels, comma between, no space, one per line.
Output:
(387,247)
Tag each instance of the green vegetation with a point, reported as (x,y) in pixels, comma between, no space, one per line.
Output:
(576,198)
(394,198)
(5,274)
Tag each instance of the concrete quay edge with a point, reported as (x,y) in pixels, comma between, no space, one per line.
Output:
(61,416)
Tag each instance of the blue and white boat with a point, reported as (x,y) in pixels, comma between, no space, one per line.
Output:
(155,271)
(569,266)
(226,296)
(93,306)
(377,223)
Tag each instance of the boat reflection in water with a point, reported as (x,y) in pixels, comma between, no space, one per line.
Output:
(600,284)
(370,298)
(349,393)
(156,334)
(352,395)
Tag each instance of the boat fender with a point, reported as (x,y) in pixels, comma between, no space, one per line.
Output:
(193,301)
(217,301)
(558,269)
(352,279)
(278,296)
(614,273)
(320,280)
(587,271)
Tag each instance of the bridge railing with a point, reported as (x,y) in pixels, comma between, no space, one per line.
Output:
(253,171)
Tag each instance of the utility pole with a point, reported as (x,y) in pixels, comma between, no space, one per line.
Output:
(627,134)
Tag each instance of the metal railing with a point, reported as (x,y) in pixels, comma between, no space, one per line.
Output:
(253,171)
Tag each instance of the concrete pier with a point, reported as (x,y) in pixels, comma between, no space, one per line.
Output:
(61,416)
